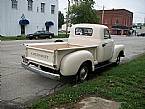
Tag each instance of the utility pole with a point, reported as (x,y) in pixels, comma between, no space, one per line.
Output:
(67,17)
(103,15)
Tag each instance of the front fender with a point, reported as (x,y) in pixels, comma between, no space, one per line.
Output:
(71,63)
(117,49)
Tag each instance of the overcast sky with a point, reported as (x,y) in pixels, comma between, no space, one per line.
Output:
(135,6)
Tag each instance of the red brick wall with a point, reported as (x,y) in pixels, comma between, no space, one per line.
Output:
(111,17)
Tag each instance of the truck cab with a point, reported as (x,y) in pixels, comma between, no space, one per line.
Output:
(93,35)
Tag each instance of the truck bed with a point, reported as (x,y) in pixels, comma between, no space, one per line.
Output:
(49,54)
(55,46)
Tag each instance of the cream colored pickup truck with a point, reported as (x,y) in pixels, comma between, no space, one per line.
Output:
(89,47)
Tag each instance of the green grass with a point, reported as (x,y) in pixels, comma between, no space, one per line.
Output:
(8,38)
(125,83)
(62,36)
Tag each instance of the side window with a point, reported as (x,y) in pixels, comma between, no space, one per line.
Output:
(42,7)
(30,5)
(107,34)
(52,9)
(14,4)
(84,31)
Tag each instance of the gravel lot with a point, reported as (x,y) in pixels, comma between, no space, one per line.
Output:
(19,85)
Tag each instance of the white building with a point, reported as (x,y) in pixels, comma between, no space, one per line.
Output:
(28,16)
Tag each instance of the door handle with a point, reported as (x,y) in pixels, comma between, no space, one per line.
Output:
(103,45)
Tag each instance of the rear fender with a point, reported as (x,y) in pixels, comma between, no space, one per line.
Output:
(71,63)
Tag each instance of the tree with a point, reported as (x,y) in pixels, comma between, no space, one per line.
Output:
(83,12)
(60,19)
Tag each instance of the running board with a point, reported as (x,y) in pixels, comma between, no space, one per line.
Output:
(102,65)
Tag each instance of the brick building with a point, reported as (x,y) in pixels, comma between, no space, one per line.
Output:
(119,21)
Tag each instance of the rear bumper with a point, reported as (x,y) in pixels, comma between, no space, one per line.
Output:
(40,72)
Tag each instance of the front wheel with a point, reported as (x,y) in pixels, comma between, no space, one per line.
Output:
(118,60)
(82,73)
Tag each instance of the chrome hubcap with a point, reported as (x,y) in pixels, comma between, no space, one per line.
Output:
(83,73)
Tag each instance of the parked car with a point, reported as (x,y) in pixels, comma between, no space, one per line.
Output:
(40,35)
(141,34)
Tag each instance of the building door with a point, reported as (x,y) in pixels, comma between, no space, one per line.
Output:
(47,28)
(22,29)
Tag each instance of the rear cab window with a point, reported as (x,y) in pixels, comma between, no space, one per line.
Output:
(81,31)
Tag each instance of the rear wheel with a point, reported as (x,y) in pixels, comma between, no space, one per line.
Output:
(83,72)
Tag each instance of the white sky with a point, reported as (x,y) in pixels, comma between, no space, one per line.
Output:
(135,6)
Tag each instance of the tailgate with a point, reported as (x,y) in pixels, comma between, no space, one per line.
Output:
(41,56)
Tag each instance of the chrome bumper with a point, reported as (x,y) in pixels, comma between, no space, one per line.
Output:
(40,72)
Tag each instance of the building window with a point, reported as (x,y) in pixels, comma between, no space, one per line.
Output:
(52,9)
(30,5)
(14,4)
(42,7)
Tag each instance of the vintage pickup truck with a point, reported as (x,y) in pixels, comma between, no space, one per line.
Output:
(89,47)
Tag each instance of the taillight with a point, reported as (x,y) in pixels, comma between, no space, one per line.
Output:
(24,59)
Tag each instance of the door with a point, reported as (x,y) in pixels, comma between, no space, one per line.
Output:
(47,28)
(107,45)
(22,29)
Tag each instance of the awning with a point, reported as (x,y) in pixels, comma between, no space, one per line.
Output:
(24,22)
(50,23)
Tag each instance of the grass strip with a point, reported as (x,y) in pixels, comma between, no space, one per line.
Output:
(9,38)
(62,36)
(125,83)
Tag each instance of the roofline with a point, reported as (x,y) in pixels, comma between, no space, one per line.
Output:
(116,10)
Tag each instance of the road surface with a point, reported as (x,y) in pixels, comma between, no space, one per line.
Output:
(19,85)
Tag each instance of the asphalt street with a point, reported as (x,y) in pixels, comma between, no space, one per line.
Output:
(19,85)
